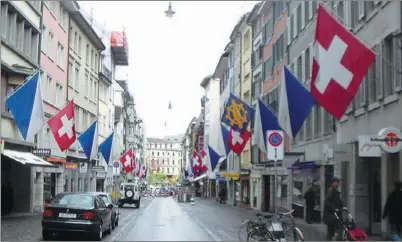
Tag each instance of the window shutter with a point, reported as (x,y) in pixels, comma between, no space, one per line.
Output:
(310,10)
(303,23)
(378,72)
(295,23)
(361,9)
(288,31)
(397,55)
(303,63)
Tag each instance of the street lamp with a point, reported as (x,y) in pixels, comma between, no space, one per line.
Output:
(169,13)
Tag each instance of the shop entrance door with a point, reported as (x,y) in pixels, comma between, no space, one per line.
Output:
(374,187)
(267,193)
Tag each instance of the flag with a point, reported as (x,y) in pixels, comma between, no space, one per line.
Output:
(264,120)
(88,141)
(26,106)
(214,158)
(106,148)
(237,114)
(340,62)
(238,141)
(142,171)
(137,164)
(126,160)
(295,104)
(225,137)
(138,168)
(63,127)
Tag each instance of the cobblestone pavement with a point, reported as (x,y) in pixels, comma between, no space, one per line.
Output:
(28,227)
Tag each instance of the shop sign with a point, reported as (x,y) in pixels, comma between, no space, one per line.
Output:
(71,166)
(391,140)
(232,175)
(83,167)
(1,146)
(98,168)
(56,159)
(42,152)
(244,173)
(367,147)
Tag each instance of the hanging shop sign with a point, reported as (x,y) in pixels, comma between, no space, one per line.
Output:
(390,140)
(232,175)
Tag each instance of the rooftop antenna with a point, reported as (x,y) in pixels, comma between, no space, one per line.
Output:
(169,13)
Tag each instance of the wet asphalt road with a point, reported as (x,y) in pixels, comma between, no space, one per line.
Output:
(29,228)
(164,220)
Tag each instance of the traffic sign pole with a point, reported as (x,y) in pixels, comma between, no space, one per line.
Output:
(275,151)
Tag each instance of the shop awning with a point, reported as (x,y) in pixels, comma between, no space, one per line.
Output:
(26,158)
(200,177)
(298,165)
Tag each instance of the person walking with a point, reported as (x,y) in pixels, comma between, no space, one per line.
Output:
(393,208)
(310,197)
(333,204)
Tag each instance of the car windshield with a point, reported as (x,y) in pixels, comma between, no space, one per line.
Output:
(105,198)
(84,201)
(129,187)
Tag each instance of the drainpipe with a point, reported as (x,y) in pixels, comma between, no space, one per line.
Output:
(241,80)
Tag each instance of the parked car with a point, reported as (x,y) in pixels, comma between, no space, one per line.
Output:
(107,198)
(77,213)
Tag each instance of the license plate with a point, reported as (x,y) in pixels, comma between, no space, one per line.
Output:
(67,215)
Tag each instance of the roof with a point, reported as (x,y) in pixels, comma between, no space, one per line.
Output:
(90,33)
(206,79)
(223,56)
(167,139)
(254,13)
(239,23)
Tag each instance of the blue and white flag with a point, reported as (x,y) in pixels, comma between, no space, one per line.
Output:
(237,114)
(264,120)
(106,148)
(214,158)
(225,138)
(88,141)
(26,105)
(295,104)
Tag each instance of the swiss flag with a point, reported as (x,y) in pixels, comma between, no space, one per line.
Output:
(126,160)
(237,141)
(143,171)
(339,65)
(63,127)
(133,161)
(197,163)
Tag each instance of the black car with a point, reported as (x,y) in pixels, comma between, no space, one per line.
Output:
(107,198)
(77,212)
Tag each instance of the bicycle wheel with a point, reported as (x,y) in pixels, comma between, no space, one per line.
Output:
(244,229)
(259,234)
(298,234)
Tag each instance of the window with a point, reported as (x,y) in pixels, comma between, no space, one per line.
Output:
(269,30)
(279,6)
(91,88)
(79,45)
(86,84)
(299,68)
(77,78)
(43,39)
(387,77)
(354,16)
(87,55)
(328,123)
(307,64)
(34,47)
(49,88)
(52,6)
(4,18)
(59,95)
(307,11)
(294,16)
(71,75)
(309,127)
(96,62)
(397,57)
(63,17)
(246,41)
(268,66)
(317,123)
(60,55)
(361,95)
(299,18)
(75,41)
(278,49)
(92,59)
(12,21)
(50,45)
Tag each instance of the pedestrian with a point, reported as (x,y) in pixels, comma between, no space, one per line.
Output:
(310,197)
(393,208)
(222,196)
(333,204)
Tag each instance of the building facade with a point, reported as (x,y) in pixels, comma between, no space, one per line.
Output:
(20,58)
(54,83)
(165,155)
(83,87)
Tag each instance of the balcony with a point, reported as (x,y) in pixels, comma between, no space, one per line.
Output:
(106,74)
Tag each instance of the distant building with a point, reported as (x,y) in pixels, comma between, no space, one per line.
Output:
(165,155)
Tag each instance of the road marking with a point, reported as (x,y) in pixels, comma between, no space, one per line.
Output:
(210,233)
(121,232)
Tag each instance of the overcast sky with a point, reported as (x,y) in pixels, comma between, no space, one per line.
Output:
(168,58)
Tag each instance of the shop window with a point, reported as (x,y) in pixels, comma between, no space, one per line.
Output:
(299,188)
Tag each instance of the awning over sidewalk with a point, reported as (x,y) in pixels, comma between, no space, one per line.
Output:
(200,177)
(298,165)
(26,158)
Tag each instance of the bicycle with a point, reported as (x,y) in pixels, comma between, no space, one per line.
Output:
(250,225)
(276,229)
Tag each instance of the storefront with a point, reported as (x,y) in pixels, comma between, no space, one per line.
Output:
(245,188)
(233,179)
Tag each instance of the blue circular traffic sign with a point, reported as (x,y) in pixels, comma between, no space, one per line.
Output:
(275,139)
(116,164)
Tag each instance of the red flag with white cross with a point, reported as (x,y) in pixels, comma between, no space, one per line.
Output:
(238,141)
(340,62)
(126,161)
(63,127)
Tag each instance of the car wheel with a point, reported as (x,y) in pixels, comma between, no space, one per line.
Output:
(99,234)
(116,223)
(121,205)
(138,204)
(47,235)
(109,230)
(113,223)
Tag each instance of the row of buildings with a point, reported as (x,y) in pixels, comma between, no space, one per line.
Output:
(277,33)
(78,60)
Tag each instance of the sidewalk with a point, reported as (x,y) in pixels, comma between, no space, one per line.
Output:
(226,220)
(21,227)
